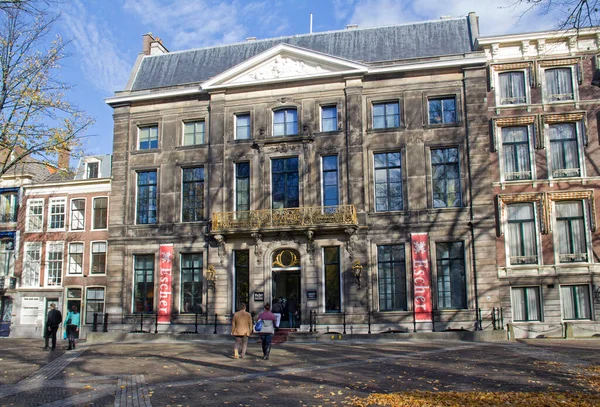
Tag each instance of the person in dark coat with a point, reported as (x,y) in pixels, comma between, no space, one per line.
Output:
(292,308)
(52,323)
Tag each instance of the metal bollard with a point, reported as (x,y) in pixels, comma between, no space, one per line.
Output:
(105,323)
(95,323)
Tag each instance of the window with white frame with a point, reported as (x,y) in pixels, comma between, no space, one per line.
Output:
(94,303)
(522,233)
(242,126)
(54,263)
(32,262)
(98,264)
(100,214)
(570,232)
(559,84)
(285,122)
(516,154)
(9,203)
(75,258)
(329,119)
(564,157)
(91,169)
(526,304)
(193,133)
(7,256)
(30,310)
(77,214)
(331,182)
(147,137)
(386,115)
(35,215)
(512,88)
(575,301)
(57,213)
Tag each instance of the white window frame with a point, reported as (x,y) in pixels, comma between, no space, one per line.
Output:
(590,299)
(51,203)
(194,122)
(70,263)
(579,128)
(38,202)
(540,304)
(49,245)
(71,221)
(537,236)
(85,303)
(235,126)
(30,310)
(527,80)
(532,166)
(91,262)
(87,163)
(586,227)
(337,156)
(321,107)
(94,212)
(574,81)
(138,143)
(27,248)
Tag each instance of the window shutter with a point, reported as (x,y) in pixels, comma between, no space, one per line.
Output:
(493,137)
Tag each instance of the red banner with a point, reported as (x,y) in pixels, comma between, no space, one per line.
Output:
(423,305)
(164,284)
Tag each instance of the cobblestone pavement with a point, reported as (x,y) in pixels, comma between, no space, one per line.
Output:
(195,373)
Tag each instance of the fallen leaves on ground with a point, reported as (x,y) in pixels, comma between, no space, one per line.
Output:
(478,398)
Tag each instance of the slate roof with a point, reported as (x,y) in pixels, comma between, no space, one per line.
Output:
(418,40)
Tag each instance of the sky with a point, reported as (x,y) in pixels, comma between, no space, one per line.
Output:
(106,35)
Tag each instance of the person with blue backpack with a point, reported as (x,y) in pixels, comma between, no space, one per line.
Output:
(72,322)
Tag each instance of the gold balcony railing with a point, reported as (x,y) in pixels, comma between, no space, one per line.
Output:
(284,217)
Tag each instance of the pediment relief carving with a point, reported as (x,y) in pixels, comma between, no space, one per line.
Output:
(281,66)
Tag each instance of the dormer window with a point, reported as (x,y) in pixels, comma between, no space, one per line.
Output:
(285,122)
(91,170)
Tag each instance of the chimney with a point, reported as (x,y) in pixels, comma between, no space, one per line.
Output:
(351,26)
(147,40)
(157,47)
(64,158)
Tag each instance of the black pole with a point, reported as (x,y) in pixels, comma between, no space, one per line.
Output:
(215,324)
(95,324)
(156,323)
(207,291)
(501,318)
(196,324)
(344,323)
(142,322)
(369,321)
(105,323)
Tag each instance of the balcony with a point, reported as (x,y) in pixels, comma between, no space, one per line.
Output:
(285,218)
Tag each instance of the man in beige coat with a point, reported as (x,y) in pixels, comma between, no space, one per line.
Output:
(241,328)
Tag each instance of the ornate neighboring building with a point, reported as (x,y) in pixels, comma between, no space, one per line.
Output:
(349,170)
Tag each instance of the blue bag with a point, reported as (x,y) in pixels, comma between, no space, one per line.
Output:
(258,325)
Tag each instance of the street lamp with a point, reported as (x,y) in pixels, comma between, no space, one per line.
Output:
(357,269)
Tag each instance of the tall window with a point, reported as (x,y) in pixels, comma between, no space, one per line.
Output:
(143,285)
(522,234)
(575,301)
(78,214)
(285,122)
(451,276)
(388,182)
(570,232)
(286,193)
(391,277)
(331,188)
(98,258)
(516,153)
(54,263)
(91,170)
(191,282)
(147,193)
(386,115)
(242,187)
(148,138)
(242,277)
(9,203)
(564,150)
(442,110)
(526,304)
(35,215)
(445,178)
(193,133)
(242,127)
(559,84)
(192,192)
(333,293)
(56,219)
(75,258)
(512,88)
(100,213)
(7,256)
(32,265)
(94,303)
(329,120)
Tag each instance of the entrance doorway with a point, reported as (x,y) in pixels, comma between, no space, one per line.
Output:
(286,286)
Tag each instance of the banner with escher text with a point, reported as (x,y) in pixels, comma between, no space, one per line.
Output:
(164,284)
(423,305)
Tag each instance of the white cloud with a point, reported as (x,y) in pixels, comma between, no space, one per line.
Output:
(495,17)
(102,63)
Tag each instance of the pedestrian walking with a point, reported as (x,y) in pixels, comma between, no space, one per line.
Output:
(72,325)
(53,321)
(267,331)
(277,310)
(241,329)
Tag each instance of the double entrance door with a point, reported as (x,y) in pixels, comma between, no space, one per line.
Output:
(286,290)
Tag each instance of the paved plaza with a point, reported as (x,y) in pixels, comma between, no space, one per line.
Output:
(203,373)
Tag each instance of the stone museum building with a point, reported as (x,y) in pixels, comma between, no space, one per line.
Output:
(346,171)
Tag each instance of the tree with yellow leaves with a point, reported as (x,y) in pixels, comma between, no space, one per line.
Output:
(36,121)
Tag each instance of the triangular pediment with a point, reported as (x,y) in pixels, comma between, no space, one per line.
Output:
(283,63)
